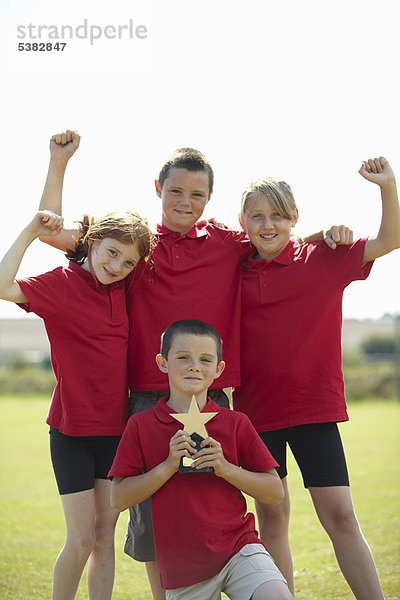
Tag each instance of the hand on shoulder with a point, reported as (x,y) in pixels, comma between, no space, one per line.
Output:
(338,235)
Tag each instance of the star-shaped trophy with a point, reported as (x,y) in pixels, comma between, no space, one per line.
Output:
(194,424)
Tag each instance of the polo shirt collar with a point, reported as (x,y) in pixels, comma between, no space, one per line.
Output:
(163,412)
(286,257)
(90,280)
(195,232)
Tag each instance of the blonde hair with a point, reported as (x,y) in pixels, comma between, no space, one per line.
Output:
(125,226)
(277,191)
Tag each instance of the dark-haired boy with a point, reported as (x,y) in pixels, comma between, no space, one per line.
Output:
(189,263)
(206,544)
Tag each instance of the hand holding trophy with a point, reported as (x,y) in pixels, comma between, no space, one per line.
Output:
(194,425)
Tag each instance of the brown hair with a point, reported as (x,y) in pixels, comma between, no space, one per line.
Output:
(190,159)
(123,225)
(189,326)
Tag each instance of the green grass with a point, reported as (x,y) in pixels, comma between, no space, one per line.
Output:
(32,525)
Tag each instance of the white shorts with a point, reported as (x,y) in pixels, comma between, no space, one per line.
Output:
(241,576)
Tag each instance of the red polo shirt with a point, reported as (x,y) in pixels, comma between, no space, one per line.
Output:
(87,326)
(199,520)
(192,276)
(291,362)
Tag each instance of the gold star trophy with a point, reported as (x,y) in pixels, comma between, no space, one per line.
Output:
(194,424)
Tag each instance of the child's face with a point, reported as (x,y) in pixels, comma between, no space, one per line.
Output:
(192,364)
(112,260)
(268,231)
(184,196)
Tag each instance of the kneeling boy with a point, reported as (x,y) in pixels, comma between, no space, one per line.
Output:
(205,542)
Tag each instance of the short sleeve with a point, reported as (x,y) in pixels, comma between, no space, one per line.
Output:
(45,293)
(345,263)
(253,453)
(129,459)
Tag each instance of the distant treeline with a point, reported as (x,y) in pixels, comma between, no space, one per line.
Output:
(371,370)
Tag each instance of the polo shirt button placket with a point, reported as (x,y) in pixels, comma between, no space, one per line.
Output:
(114,305)
(175,248)
(263,283)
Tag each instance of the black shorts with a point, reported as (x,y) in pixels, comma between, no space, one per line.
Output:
(318,451)
(79,460)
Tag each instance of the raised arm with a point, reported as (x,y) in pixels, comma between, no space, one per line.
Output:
(378,170)
(62,147)
(43,223)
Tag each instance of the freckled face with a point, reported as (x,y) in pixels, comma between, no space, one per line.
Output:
(112,260)
(268,230)
(184,195)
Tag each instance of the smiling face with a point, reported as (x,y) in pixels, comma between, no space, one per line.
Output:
(267,229)
(184,195)
(111,260)
(192,365)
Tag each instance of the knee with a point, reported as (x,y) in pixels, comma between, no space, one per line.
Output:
(82,545)
(342,520)
(105,534)
(273,517)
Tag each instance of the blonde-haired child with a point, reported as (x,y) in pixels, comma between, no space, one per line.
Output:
(291,329)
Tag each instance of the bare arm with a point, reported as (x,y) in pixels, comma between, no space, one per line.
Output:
(42,224)
(132,490)
(62,147)
(379,171)
(265,487)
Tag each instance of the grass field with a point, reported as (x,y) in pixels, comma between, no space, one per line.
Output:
(32,526)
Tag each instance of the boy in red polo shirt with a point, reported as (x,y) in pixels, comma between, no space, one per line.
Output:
(189,263)
(291,317)
(206,544)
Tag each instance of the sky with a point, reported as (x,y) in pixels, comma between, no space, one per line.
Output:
(303,90)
